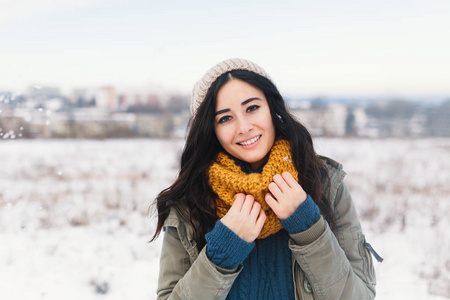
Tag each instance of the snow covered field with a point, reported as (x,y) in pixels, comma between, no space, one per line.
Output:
(74,214)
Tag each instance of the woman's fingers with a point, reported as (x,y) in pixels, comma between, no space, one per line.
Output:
(275,190)
(248,204)
(238,202)
(286,194)
(245,217)
(256,209)
(280,182)
(289,179)
(272,202)
(261,220)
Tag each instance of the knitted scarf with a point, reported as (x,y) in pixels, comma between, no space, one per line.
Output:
(227,179)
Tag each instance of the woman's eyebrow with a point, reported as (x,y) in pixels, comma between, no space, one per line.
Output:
(250,100)
(222,111)
(243,103)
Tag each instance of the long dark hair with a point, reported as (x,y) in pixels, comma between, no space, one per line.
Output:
(191,194)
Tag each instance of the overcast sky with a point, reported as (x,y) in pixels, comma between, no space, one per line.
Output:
(310,48)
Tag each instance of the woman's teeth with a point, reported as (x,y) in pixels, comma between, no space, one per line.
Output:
(250,141)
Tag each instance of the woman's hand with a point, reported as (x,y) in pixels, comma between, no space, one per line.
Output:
(245,217)
(286,194)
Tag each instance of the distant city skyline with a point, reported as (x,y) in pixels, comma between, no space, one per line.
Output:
(310,48)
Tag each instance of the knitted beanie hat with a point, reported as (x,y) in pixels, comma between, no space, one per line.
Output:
(202,86)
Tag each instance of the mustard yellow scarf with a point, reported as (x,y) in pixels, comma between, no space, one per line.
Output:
(227,179)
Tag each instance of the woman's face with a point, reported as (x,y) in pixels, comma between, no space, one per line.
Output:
(242,123)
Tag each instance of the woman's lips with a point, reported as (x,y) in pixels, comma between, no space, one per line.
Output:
(250,141)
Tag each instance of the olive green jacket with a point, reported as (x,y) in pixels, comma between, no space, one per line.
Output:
(327,264)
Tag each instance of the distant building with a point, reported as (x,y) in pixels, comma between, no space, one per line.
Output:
(107,98)
(324,121)
(139,102)
(45,92)
(359,126)
(83,97)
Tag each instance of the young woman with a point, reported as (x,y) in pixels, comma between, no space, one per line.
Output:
(255,213)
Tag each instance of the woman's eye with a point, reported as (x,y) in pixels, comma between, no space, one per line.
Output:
(252,108)
(224,119)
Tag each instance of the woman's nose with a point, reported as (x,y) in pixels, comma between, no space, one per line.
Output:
(244,125)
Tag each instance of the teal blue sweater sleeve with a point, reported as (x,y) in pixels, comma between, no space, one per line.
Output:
(226,249)
(305,216)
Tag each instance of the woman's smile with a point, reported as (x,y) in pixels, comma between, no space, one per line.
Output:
(250,142)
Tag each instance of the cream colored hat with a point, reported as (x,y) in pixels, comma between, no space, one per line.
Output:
(202,86)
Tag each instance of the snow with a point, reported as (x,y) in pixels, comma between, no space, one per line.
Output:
(74,218)
(400,188)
